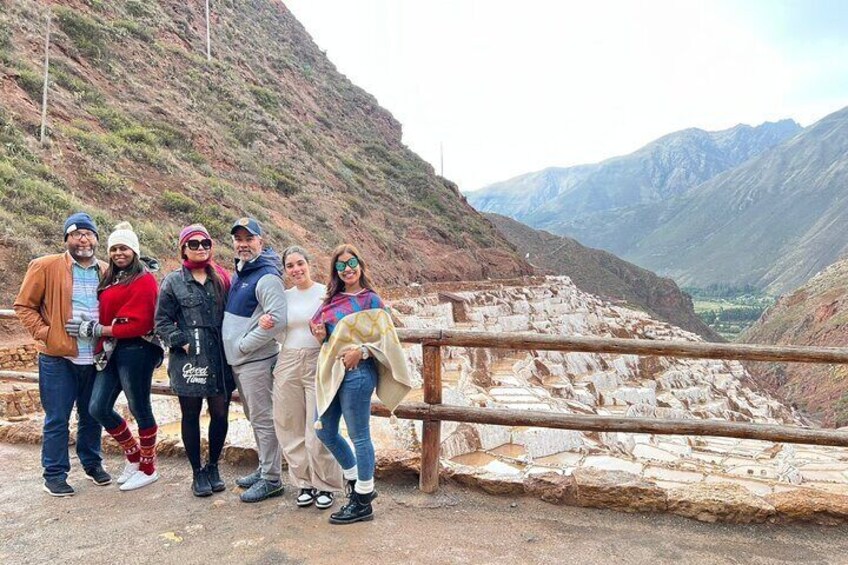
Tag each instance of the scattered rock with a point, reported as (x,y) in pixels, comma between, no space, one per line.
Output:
(810,505)
(552,487)
(511,485)
(26,432)
(238,455)
(396,463)
(171,537)
(714,502)
(617,490)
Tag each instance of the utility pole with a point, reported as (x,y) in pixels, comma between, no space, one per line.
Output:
(441,159)
(208,47)
(46,82)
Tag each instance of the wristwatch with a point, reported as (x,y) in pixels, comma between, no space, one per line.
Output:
(365,352)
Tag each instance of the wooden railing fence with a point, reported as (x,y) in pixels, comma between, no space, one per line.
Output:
(432,412)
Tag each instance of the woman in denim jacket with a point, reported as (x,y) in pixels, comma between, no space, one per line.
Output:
(188,320)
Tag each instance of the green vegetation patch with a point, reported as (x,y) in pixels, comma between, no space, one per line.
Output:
(729,309)
(32,197)
(67,78)
(282,181)
(125,138)
(130,28)
(88,36)
(265,97)
(109,183)
(178,203)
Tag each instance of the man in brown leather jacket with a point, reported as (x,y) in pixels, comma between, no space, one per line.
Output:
(58,294)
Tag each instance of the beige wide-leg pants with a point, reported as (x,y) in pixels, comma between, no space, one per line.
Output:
(310,464)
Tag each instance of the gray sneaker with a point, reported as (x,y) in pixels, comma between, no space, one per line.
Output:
(248,481)
(261,490)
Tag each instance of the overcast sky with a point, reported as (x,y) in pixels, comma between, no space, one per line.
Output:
(513,87)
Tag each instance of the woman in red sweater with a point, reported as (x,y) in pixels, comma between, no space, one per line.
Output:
(127,294)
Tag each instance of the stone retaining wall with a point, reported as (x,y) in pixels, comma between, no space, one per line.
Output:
(17,404)
(18,357)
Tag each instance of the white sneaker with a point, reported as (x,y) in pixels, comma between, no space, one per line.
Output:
(130,469)
(140,479)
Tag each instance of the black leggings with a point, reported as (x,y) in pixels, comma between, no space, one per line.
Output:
(219,408)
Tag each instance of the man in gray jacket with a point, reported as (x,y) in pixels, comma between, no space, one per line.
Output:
(257,289)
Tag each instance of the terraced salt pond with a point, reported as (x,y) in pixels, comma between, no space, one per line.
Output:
(582,383)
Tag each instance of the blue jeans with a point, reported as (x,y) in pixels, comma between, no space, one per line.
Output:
(130,369)
(61,384)
(353,401)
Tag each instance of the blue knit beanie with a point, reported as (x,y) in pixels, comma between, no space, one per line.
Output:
(79,221)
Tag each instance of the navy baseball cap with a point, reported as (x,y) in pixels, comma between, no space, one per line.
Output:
(250,224)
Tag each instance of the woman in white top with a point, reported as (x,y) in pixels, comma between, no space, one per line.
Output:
(311,467)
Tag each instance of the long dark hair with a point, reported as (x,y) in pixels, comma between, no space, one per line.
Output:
(217,284)
(113,275)
(336,284)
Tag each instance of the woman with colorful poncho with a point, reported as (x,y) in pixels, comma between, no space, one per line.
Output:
(361,352)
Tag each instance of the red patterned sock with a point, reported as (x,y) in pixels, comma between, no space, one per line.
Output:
(147,438)
(124,437)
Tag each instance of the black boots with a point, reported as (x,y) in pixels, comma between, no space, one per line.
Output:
(357,509)
(215,478)
(200,484)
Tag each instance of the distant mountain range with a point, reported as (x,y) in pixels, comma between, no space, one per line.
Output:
(602,273)
(774,221)
(764,206)
(559,198)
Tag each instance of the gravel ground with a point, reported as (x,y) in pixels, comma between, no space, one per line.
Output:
(164,523)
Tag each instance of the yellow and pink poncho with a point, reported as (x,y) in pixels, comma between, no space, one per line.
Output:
(354,321)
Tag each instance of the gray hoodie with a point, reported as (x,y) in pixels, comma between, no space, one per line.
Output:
(257,289)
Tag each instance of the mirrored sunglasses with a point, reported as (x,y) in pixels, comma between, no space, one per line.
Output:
(353,263)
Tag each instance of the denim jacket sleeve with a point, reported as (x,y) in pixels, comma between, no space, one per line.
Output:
(167,314)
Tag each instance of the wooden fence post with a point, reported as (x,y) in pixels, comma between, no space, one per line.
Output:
(432,436)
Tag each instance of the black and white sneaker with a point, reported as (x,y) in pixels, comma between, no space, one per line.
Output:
(324,499)
(99,476)
(306,497)
(58,487)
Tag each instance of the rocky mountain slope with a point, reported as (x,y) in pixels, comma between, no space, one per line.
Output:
(773,222)
(562,200)
(603,274)
(815,314)
(143,128)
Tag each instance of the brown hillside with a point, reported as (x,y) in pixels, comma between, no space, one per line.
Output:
(815,314)
(143,128)
(602,273)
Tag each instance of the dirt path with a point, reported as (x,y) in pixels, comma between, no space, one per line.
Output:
(163,523)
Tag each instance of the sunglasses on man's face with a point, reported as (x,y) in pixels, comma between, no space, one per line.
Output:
(353,263)
(195,244)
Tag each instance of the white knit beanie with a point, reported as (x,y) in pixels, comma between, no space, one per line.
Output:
(125,235)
